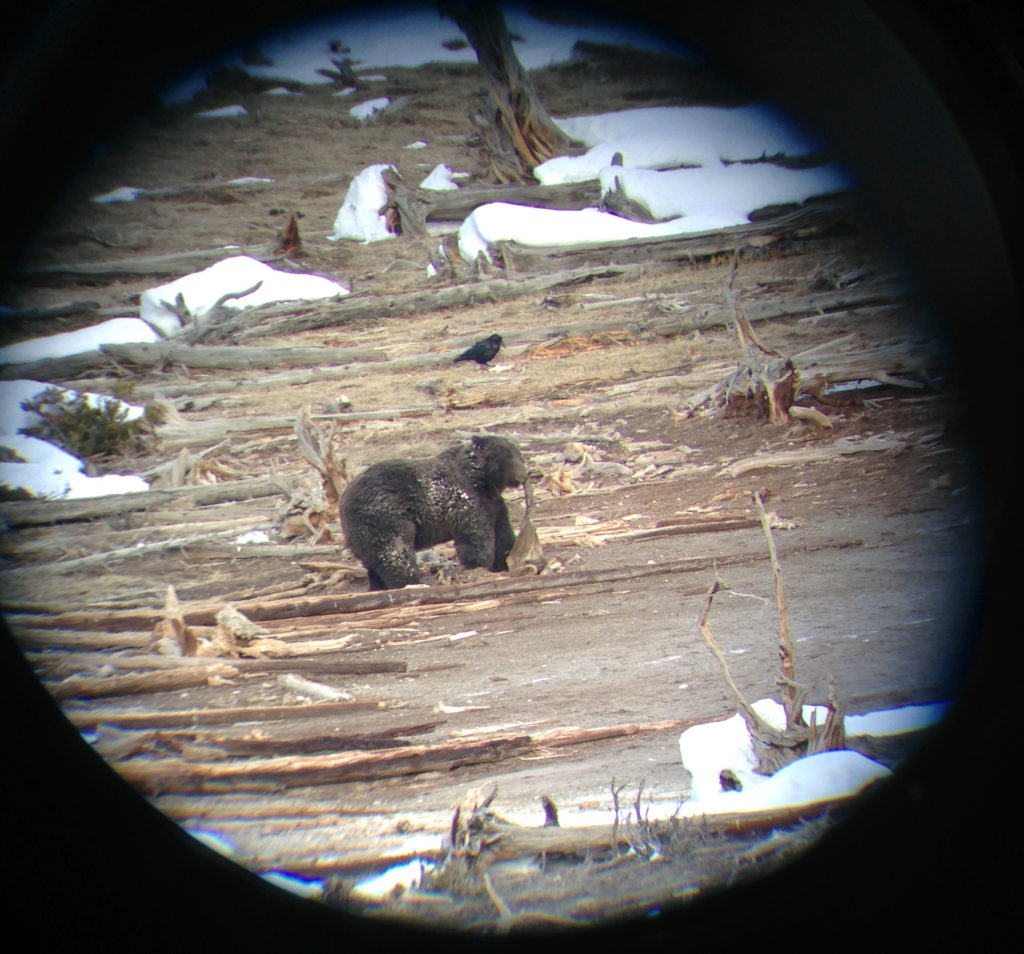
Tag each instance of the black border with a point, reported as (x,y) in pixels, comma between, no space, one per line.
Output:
(924,97)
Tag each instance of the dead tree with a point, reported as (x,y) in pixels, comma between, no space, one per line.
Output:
(775,748)
(766,378)
(515,128)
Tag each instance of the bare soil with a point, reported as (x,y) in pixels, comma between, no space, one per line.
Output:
(877,546)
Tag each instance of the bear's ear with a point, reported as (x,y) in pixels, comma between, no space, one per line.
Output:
(478,440)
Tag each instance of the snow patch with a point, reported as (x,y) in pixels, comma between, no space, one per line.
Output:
(359,216)
(200,291)
(365,110)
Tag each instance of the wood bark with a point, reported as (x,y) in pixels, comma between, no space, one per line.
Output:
(178,775)
(416,207)
(358,308)
(87,687)
(26,513)
(178,434)
(516,130)
(162,353)
(175,263)
(52,311)
(74,663)
(521,841)
(661,253)
(127,719)
(418,598)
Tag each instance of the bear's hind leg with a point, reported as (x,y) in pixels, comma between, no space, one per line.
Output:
(376,580)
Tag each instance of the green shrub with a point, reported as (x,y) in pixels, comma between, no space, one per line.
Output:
(74,424)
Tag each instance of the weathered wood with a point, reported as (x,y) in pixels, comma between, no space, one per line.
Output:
(520,841)
(138,551)
(516,130)
(178,775)
(675,250)
(416,207)
(87,687)
(362,307)
(203,745)
(160,353)
(46,638)
(181,775)
(56,369)
(74,663)
(175,435)
(417,597)
(176,263)
(25,513)
(229,357)
(49,311)
(457,204)
(93,716)
(841,447)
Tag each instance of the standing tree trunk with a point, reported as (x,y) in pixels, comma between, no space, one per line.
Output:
(516,130)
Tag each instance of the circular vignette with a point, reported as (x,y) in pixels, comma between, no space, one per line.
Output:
(918,98)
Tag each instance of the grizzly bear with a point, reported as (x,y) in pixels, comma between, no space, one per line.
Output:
(396,507)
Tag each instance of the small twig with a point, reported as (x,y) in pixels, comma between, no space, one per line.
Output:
(713,646)
(615,805)
(787,668)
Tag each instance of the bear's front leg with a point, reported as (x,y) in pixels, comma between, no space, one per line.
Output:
(474,546)
(504,538)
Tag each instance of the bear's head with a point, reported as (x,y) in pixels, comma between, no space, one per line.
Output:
(498,461)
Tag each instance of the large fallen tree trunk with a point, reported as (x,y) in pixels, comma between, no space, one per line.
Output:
(417,598)
(176,263)
(26,513)
(161,353)
(359,308)
(133,719)
(817,219)
(179,775)
(415,207)
(178,434)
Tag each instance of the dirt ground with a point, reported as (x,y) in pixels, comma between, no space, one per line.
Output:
(878,544)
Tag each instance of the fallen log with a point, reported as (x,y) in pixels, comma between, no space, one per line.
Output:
(359,308)
(809,220)
(46,638)
(76,662)
(416,207)
(232,357)
(86,687)
(50,311)
(92,717)
(202,745)
(841,447)
(512,841)
(418,597)
(176,263)
(177,434)
(142,550)
(178,775)
(56,369)
(26,513)
(161,353)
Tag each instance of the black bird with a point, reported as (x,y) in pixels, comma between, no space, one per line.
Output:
(483,351)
